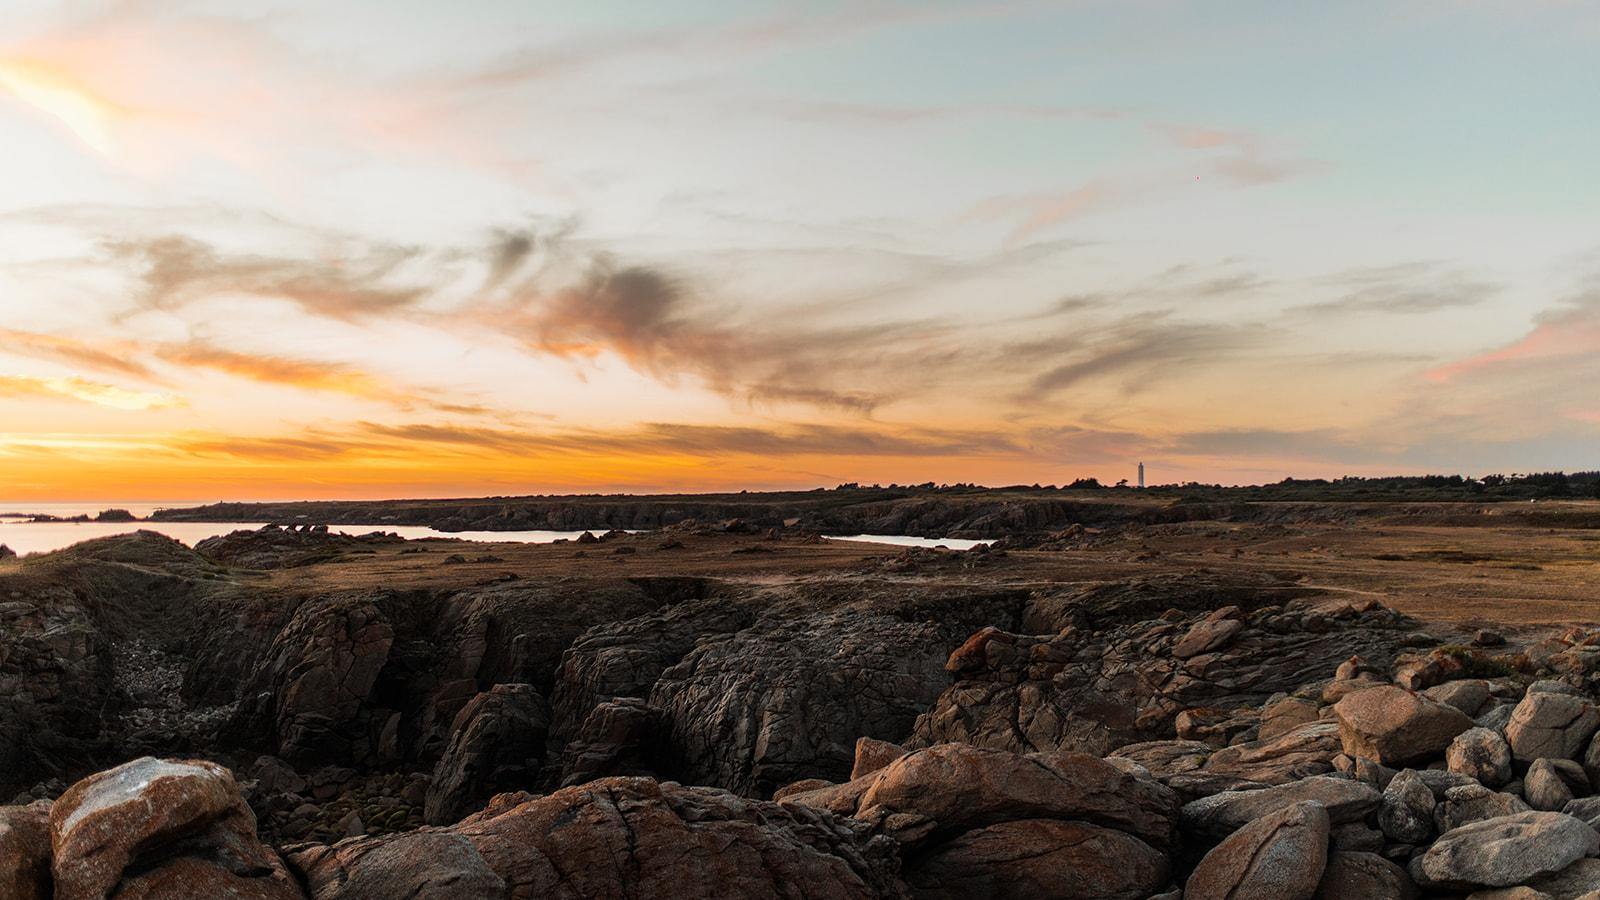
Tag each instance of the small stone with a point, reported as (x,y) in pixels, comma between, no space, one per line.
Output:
(1480,754)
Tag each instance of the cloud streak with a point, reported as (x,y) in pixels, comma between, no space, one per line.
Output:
(86,391)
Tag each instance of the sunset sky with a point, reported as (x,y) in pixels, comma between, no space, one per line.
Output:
(410,248)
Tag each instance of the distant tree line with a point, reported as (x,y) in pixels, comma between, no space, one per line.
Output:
(1495,487)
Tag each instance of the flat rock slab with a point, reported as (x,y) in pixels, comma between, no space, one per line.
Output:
(1222,814)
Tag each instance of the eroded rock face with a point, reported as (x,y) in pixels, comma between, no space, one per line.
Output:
(151,824)
(1505,851)
(626,736)
(496,745)
(770,705)
(1032,858)
(1280,856)
(617,837)
(1395,727)
(624,659)
(1105,683)
(316,679)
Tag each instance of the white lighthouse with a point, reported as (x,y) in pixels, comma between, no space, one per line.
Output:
(1141,474)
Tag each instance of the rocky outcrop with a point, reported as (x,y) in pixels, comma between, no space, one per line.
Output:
(1096,687)
(768,706)
(626,736)
(496,745)
(625,659)
(617,837)
(279,547)
(315,682)
(977,822)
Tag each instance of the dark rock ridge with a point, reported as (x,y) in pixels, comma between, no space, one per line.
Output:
(280,547)
(1023,516)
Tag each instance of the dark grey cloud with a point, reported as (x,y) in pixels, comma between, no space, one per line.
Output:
(175,270)
(1137,352)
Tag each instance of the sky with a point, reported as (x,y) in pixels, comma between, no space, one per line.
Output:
(403,248)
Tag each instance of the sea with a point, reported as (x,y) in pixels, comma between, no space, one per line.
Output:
(25,537)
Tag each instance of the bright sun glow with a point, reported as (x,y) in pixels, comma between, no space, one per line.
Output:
(84,114)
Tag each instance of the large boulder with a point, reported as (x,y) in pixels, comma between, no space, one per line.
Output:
(25,851)
(1030,858)
(958,788)
(151,827)
(615,837)
(1551,725)
(1395,727)
(1280,856)
(1579,881)
(1363,876)
(496,745)
(1505,851)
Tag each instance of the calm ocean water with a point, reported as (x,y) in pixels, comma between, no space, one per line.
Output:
(43,537)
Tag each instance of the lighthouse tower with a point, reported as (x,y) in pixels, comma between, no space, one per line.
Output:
(1141,474)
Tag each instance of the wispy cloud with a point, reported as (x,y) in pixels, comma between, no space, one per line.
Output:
(1136,352)
(648,440)
(107,357)
(300,373)
(86,391)
(1566,334)
(1407,288)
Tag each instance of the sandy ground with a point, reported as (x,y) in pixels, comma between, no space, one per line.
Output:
(1481,574)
